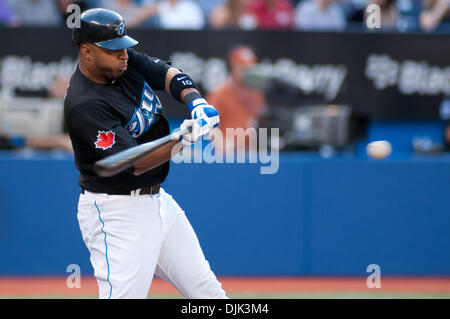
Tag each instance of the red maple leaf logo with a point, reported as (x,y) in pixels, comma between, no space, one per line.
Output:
(105,140)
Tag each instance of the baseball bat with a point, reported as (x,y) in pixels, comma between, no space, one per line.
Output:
(125,159)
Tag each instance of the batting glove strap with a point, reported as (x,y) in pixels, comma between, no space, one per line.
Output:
(195,103)
(209,116)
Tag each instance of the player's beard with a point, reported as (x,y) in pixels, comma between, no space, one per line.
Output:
(113,74)
(118,74)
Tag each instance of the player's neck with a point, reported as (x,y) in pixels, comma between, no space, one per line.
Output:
(97,78)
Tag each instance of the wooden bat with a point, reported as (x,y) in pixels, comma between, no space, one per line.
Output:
(123,160)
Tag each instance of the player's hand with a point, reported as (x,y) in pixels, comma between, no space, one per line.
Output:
(207,114)
(192,137)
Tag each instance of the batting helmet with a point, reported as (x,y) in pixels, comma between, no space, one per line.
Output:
(105,28)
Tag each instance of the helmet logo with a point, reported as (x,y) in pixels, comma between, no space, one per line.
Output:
(120,29)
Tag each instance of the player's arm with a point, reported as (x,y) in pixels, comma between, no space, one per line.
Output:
(183,94)
(186,93)
(430,18)
(161,76)
(182,88)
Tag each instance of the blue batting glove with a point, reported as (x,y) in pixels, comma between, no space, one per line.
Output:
(207,115)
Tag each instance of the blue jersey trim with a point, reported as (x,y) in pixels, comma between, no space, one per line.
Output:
(106,253)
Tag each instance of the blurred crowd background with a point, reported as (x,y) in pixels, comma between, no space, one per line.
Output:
(244,98)
(330,15)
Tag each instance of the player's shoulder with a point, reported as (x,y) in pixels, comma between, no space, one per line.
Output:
(78,90)
(144,61)
(81,93)
(85,105)
(79,97)
(134,54)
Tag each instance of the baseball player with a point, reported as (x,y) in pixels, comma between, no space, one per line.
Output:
(132,228)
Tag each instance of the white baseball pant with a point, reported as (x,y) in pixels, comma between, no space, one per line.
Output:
(132,238)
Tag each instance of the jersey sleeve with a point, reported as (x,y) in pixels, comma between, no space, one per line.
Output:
(153,69)
(97,128)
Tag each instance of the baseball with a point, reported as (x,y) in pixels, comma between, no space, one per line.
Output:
(379,149)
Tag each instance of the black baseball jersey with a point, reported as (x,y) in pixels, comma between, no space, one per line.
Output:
(103,119)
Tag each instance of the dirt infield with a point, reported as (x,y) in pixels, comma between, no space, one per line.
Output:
(36,287)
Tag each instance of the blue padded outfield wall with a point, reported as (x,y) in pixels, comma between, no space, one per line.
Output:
(314,217)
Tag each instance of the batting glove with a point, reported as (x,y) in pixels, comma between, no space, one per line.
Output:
(192,137)
(207,114)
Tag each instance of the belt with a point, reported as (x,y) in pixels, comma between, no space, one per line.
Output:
(146,190)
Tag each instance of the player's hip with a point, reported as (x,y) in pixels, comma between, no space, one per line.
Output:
(126,212)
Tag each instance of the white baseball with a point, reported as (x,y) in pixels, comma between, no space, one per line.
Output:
(379,149)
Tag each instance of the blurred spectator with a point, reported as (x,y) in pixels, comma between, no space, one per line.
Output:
(37,12)
(269,14)
(60,141)
(353,10)
(319,15)
(229,15)
(7,16)
(389,14)
(408,15)
(44,142)
(135,14)
(435,12)
(239,106)
(180,14)
(59,87)
(208,6)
